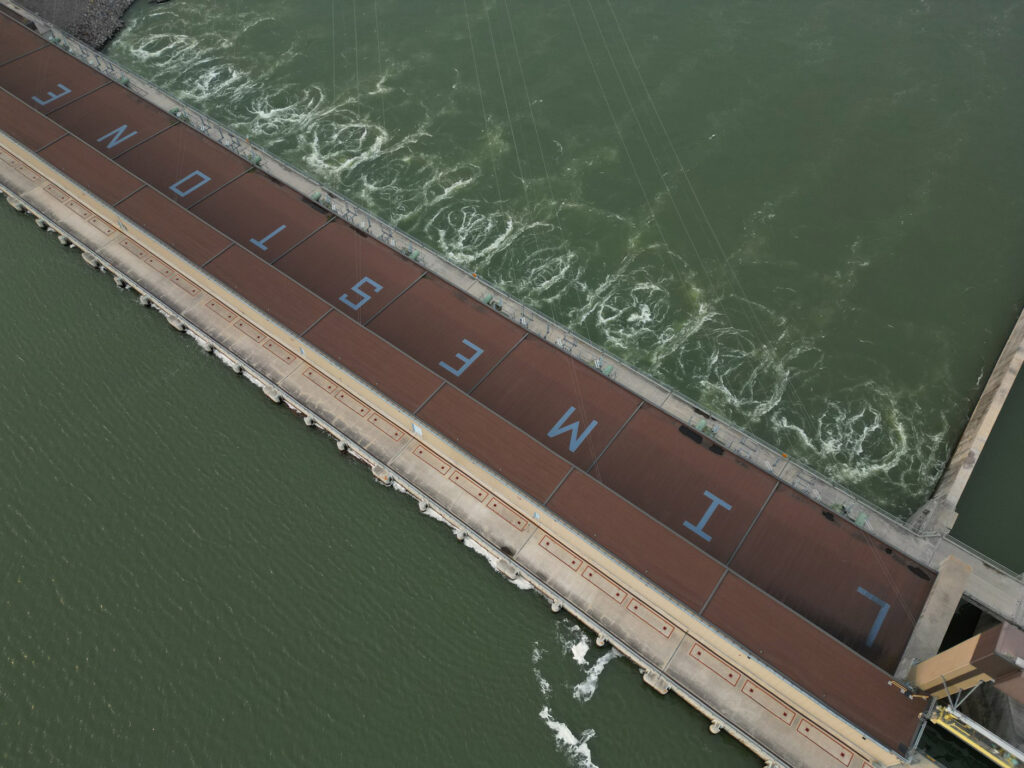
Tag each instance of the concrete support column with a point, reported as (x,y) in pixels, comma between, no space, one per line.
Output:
(939,513)
(938,611)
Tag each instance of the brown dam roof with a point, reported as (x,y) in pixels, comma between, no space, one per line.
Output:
(820,600)
(357,274)
(452,334)
(374,360)
(176,226)
(570,408)
(91,169)
(183,164)
(112,119)
(16,41)
(26,125)
(264,216)
(676,476)
(48,78)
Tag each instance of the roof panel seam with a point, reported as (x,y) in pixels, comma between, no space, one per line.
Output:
(399,295)
(129,194)
(213,192)
(144,141)
(325,314)
(432,394)
(589,469)
(64,135)
(501,360)
(725,572)
(330,217)
(129,148)
(43,44)
(556,489)
(753,522)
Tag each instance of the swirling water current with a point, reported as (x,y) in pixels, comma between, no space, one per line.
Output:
(806,216)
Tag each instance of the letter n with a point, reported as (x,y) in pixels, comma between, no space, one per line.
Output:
(116,136)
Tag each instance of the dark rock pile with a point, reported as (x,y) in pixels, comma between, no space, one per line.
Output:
(94,22)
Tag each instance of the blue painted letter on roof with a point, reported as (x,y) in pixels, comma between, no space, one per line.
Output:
(699,527)
(116,136)
(262,244)
(52,96)
(576,437)
(363,295)
(466,361)
(883,610)
(177,189)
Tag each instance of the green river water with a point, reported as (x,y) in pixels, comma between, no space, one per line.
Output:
(807,216)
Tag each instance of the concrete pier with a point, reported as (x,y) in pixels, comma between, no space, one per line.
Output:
(938,612)
(939,514)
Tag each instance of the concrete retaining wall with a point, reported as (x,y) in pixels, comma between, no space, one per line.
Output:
(939,513)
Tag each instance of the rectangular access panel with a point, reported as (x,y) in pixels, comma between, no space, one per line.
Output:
(847,582)
(571,409)
(357,274)
(16,40)
(451,333)
(261,214)
(25,124)
(703,493)
(112,119)
(493,441)
(640,541)
(175,226)
(48,79)
(91,169)
(183,164)
(373,360)
(834,675)
(267,289)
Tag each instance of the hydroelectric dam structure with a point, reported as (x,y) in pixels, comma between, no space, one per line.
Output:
(791,613)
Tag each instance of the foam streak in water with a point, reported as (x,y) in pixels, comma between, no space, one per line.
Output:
(585,690)
(480,550)
(574,747)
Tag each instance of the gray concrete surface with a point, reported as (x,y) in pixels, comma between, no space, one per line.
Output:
(939,513)
(938,611)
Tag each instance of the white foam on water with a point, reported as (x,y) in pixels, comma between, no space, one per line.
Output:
(579,651)
(519,582)
(573,641)
(659,309)
(433,514)
(535,656)
(585,690)
(574,747)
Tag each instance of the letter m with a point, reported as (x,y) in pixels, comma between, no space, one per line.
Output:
(116,136)
(576,437)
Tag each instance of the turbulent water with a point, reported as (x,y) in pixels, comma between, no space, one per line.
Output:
(807,216)
(804,215)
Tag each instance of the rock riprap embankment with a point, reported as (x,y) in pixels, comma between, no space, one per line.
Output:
(93,22)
